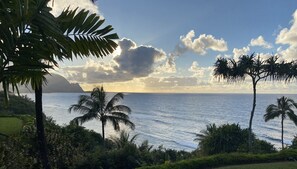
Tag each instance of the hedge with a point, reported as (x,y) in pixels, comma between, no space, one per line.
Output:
(228,159)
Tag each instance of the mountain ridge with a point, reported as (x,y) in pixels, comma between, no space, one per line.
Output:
(55,84)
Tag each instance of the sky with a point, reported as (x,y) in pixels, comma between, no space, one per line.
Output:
(170,46)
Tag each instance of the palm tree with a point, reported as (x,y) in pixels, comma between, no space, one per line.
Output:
(210,130)
(98,107)
(283,109)
(254,67)
(33,40)
(124,139)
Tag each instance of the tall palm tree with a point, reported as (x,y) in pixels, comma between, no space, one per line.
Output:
(33,40)
(254,67)
(96,106)
(283,109)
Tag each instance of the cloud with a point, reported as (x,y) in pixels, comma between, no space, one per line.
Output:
(201,44)
(288,36)
(137,60)
(259,41)
(60,5)
(132,62)
(169,82)
(239,52)
(204,75)
(198,72)
(289,53)
(168,66)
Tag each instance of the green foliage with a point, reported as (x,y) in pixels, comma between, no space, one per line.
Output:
(79,136)
(14,154)
(262,146)
(10,125)
(294,143)
(223,139)
(229,138)
(16,105)
(274,165)
(227,159)
(97,106)
(125,154)
(66,146)
(123,140)
(257,69)
(283,109)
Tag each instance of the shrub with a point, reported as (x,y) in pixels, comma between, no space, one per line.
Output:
(294,143)
(17,105)
(223,139)
(229,138)
(227,159)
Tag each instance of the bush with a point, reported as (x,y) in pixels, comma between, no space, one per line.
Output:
(229,138)
(227,159)
(294,143)
(17,105)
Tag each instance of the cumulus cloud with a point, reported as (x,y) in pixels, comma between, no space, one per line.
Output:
(168,66)
(239,52)
(198,72)
(201,44)
(132,62)
(288,36)
(59,5)
(137,60)
(204,75)
(259,41)
(289,53)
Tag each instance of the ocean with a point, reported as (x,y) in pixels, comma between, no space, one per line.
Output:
(172,120)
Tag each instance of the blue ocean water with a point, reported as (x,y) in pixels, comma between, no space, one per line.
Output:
(172,120)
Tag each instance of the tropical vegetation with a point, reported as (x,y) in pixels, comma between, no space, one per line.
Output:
(283,109)
(256,68)
(219,160)
(229,138)
(17,105)
(33,40)
(274,165)
(97,106)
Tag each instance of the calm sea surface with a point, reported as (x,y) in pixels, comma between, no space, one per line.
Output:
(172,120)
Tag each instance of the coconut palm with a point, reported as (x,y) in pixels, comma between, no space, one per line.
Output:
(124,139)
(96,106)
(283,109)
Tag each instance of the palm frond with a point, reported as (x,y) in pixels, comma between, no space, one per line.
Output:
(272,111)
(86,117)
(124,139)
(85,36)
(120,114)
(115,99)
(115,120)
(120,108)
(79,108)
(292,116)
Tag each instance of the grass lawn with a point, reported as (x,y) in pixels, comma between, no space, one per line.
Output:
(10,125)
(278,165)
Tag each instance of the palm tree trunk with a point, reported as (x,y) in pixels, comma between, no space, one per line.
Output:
(40,129)
(282,132)
(103,135)
(252,114)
